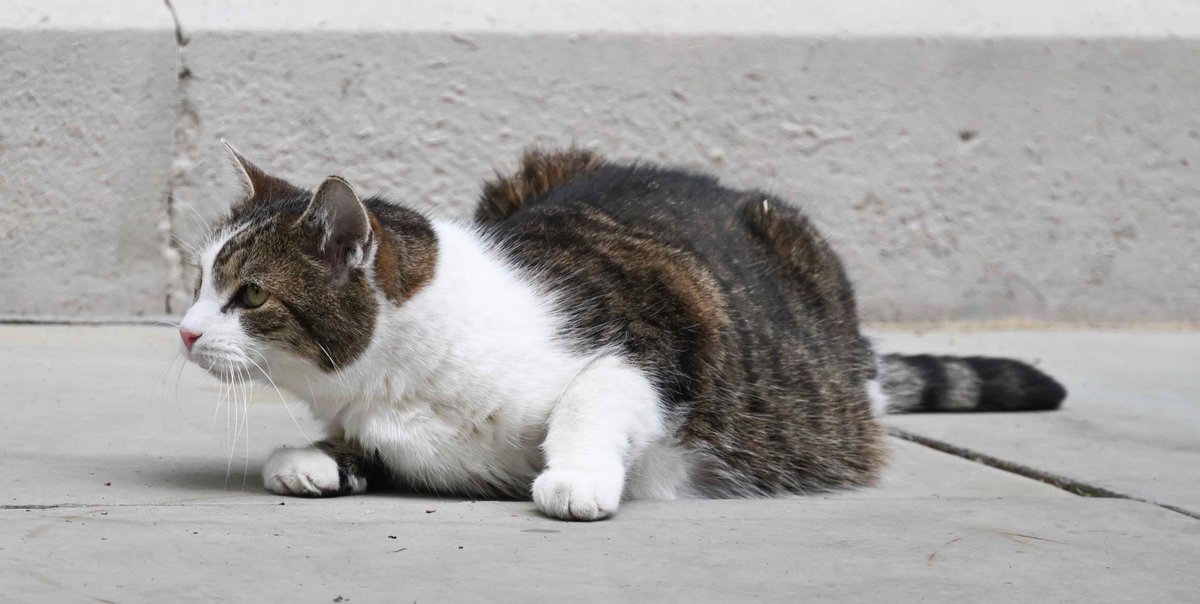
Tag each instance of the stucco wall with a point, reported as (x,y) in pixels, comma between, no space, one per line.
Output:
(86,123)
(975,165)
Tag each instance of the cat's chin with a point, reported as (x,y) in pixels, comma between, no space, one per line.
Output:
(225,365)
(218,368)
(264,365)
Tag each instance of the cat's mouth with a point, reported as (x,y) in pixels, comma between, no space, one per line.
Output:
(227,363)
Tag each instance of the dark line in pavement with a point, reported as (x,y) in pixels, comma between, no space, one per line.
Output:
(160,321)
(181,504)
(1072,486)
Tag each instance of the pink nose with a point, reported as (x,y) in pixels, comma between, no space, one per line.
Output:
(189,337)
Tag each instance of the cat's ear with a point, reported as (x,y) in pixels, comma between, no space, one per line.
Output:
(257,183)
(343,222)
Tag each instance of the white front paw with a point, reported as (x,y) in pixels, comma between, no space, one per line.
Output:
(578,494)
(308,472)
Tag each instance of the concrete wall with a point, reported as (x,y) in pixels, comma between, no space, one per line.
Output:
(86,125)
(970,162)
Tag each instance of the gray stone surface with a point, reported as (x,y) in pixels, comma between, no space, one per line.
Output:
(915,471)
(946,550)
(1130,424)
(1029,160)
(86,128)
(130,424)
(119,486)
(966,179)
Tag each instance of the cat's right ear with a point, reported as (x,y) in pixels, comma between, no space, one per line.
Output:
(258,184)
(344,225)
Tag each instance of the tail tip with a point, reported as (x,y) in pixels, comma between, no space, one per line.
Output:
(1012,385)
(1042,392)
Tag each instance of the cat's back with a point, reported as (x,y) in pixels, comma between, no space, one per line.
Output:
(670,263)
(575,191)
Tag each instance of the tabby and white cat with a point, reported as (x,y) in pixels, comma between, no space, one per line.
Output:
(599,332)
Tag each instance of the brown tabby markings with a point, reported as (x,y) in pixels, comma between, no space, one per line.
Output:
(387,265)
(730,299)
(539,173)
(353,461)
(329,326)
(407,252)
(309,312)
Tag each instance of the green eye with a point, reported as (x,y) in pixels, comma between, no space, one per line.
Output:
(253,296)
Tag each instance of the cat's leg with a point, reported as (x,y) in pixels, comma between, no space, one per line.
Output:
(333,466)
(601,424)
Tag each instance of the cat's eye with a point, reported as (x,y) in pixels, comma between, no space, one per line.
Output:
(253,296)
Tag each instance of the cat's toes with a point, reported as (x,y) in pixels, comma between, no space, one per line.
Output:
(577,494)
(304,472)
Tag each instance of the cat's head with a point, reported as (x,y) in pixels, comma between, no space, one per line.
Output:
(290,277)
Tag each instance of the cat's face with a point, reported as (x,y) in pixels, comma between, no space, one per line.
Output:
(285,280)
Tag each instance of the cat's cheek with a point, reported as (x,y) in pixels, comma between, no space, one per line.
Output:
(273,327)
(221,343)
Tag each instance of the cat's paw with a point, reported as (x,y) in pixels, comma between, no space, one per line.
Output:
(578,494)
(305,472)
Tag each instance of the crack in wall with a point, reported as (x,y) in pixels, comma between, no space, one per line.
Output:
(187,123)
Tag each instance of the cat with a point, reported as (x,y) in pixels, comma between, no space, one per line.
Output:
(599,332)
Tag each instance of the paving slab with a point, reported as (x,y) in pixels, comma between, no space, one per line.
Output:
(918,471)
(113,415)
(116,488)
(376,549)
(1131,423)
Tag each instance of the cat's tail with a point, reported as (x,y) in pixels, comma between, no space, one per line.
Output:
(927,383)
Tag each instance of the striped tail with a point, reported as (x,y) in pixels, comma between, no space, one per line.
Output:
(926,383)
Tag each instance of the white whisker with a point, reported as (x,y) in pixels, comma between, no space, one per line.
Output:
(277,391)
(178,379)
(189,248)
(337,370)
(241,418)
(166,376)
(246,462)
(197,217)
(220,396)
(231,416)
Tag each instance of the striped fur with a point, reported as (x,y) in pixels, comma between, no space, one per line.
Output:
(927,383)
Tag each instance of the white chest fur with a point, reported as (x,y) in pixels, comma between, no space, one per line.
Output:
(457,384)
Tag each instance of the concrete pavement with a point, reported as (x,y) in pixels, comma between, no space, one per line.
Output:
(1131,423)
(118,486)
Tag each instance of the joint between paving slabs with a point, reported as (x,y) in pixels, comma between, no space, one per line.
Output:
(1074,487)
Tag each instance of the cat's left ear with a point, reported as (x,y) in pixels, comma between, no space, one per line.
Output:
(257,183)
(344,224)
